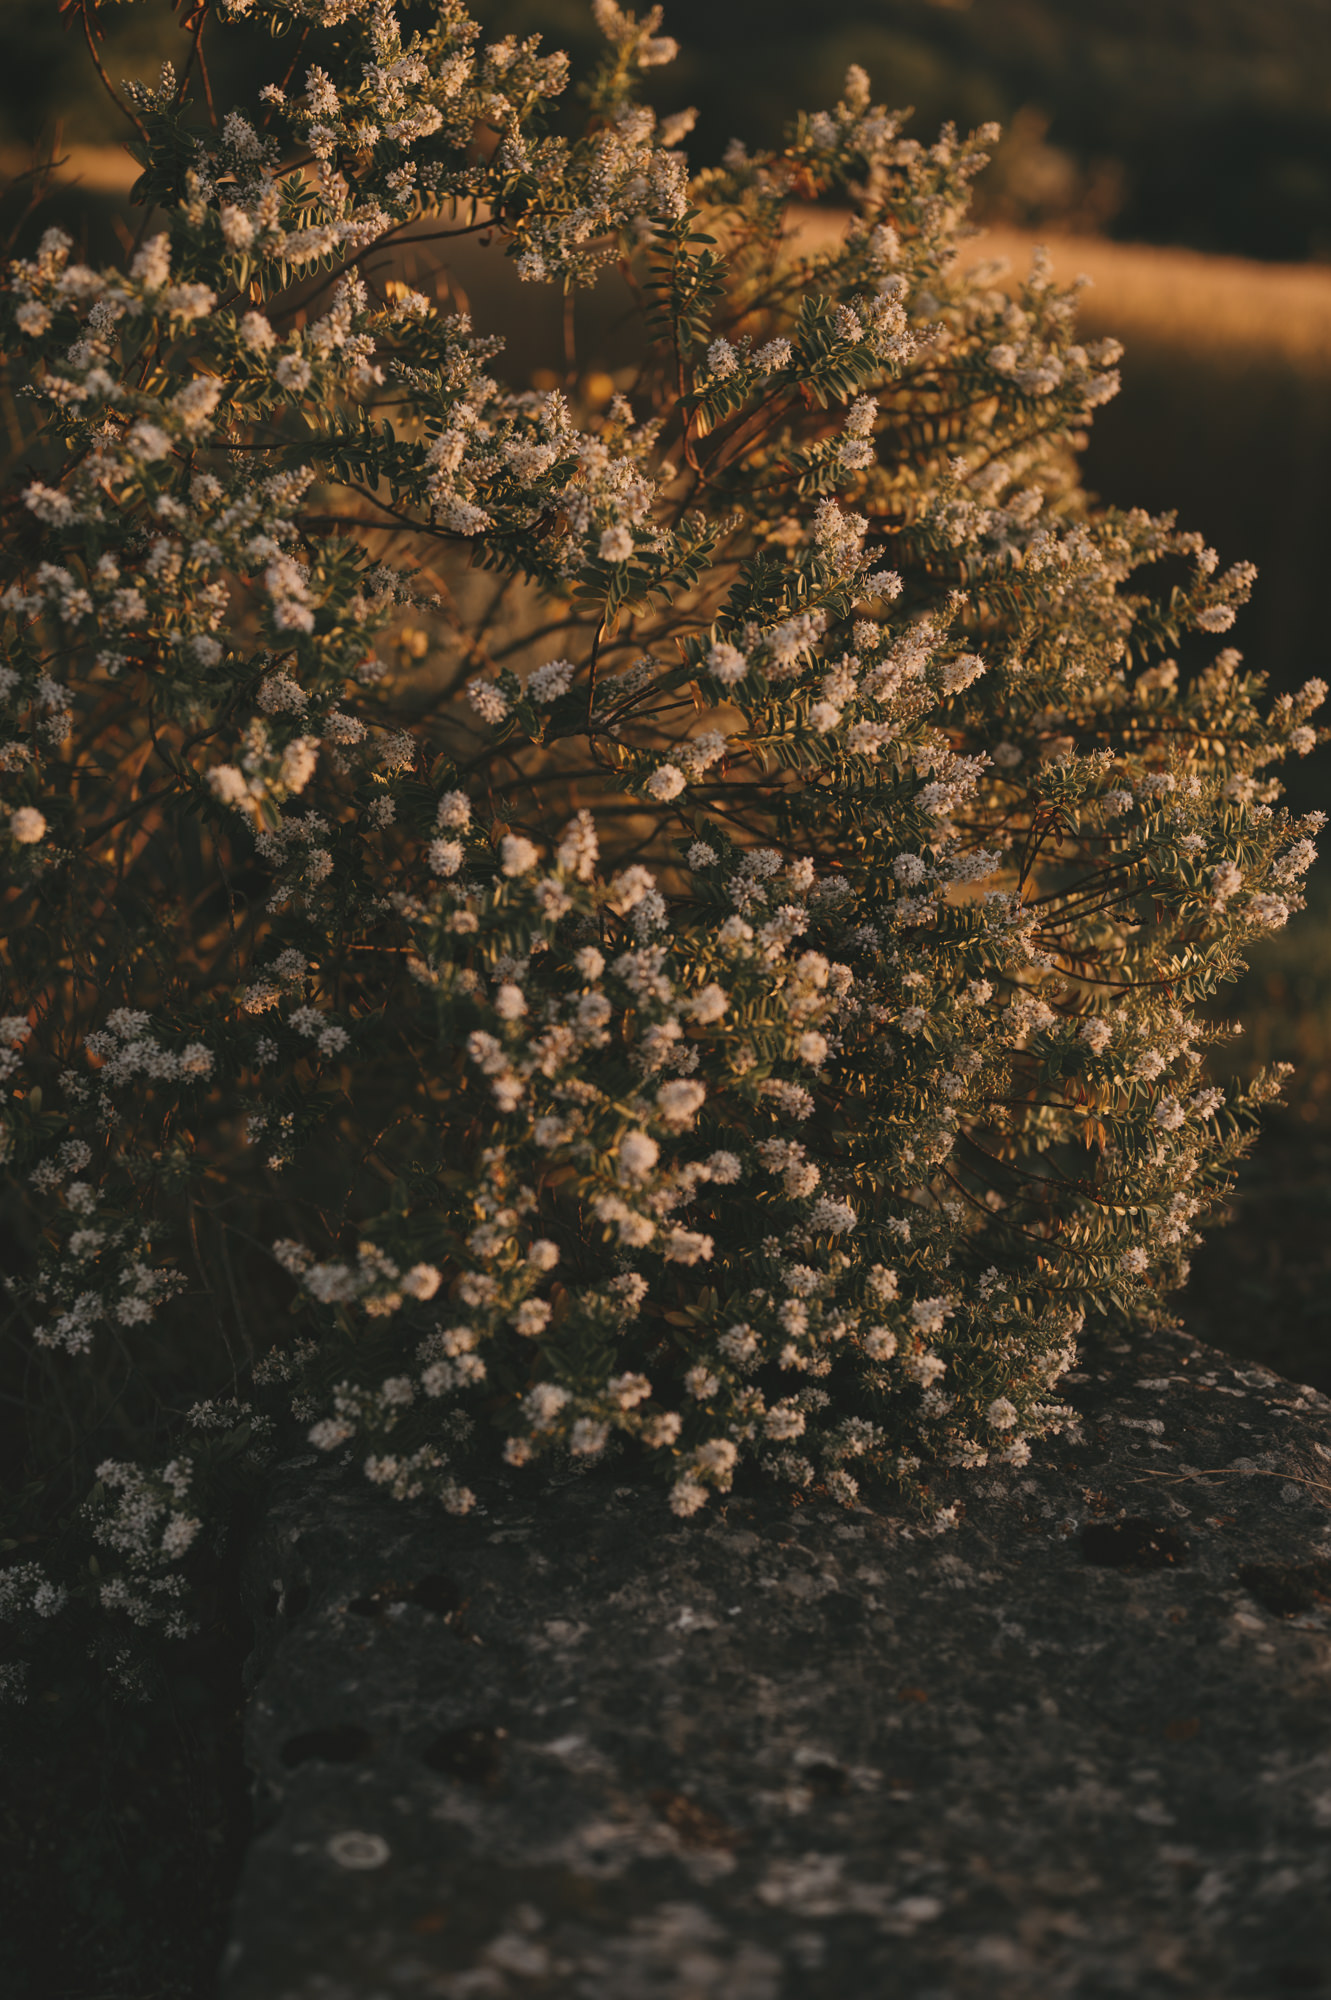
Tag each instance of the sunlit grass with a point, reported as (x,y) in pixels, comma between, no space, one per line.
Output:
(1211,308)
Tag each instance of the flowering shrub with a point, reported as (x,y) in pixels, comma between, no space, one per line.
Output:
(734,996)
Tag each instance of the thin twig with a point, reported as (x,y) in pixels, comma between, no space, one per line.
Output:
(107,84)
(1236,1472)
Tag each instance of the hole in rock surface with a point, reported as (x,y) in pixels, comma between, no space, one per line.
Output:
(1296,1976)
(824,1777)
(1287,1588)
(840,1609)
(436,1593)
(471,1754)
(342,1744)
(1132,1543)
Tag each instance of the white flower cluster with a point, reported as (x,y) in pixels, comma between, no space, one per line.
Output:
(682,1006)
(145,1519)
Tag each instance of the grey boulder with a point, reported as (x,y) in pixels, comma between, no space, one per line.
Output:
(572,1746)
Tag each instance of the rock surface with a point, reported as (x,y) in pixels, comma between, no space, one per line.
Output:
(571,1746)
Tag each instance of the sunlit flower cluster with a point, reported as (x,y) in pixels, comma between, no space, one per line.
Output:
(735,1001)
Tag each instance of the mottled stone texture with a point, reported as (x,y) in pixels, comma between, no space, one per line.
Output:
(571,1746)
